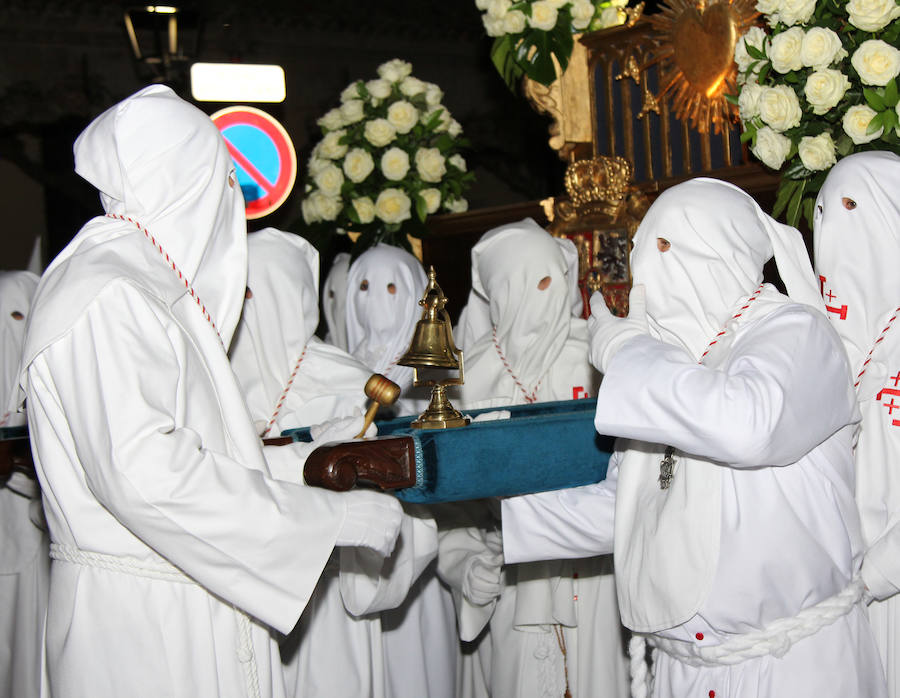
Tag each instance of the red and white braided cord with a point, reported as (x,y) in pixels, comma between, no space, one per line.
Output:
(753,297)
(174,267)
(878,341)
(530,397)
(284,392)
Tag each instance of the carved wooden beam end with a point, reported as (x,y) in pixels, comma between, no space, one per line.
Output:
(386,462)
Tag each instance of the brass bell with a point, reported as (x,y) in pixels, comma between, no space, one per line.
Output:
(432,347)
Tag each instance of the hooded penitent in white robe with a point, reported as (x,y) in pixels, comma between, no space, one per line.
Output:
(536,351)
(384,286)
(857,255)
(334,301)
(292,379)
(177,543)
(743,570)
(24,559)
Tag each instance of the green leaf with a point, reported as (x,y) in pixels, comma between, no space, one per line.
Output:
(874,100)
(732,99)
(785,190)
(797,171)
(891,95)
(421,207)
(754,52)
(809,210)
(792,216)
(876,123)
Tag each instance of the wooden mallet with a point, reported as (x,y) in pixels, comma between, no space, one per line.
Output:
(382,391)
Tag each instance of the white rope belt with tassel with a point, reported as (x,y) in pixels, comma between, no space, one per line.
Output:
(775,639)
(164,571)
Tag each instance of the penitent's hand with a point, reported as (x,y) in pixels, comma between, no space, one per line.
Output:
(372,521)
(608,332)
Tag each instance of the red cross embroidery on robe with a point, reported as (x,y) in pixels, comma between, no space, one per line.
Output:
(829,296)
(578,392)
(890,399)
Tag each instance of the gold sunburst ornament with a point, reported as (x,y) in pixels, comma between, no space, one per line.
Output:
(696,57)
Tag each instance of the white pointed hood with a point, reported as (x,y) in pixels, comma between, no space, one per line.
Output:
(720,240)
(532,324)
(160,162)
(16,291)
(380,323)
(857,250)
(334,300)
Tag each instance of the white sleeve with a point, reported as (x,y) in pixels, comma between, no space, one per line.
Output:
(371,583)
(561,524)
(114,386)
(784,391)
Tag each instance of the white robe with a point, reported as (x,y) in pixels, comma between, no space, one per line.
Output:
(419,636)
(857,251)
(752,392)
(544,606)
(178,544)
(24,559)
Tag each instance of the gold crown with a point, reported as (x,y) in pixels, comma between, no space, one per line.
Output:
(599,184)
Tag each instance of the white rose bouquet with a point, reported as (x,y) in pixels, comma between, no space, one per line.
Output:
(389,157)
(819,84)
(527,34)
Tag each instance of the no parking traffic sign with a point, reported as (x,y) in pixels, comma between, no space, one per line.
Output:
(263,155)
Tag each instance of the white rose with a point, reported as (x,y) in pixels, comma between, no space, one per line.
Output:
(872,15)
(316,165)
(817,152)
(779,107)
(365,209)
(497,9)
(394,70)
(333,120)
(457,205)
(514,22)
(558,4)
(433,95)
(876,61)
(796,11)
(402,116)
(825,88)
(482,4)
(755,37)
(412,86)
(352,111)
(821,47)
(395,164)
(432,198)
(330,148)
(784,50)
(543,15)
(582,13)
(856,122)
(329,180)
(324,207)
(770,8)
(309,215)
(458,162)
(444,118)
(771,148)
(611,17)
(392,206)
(430,164)
(379,89)
(358,165)
(350,92)
(454,128)
(748,100)
(379,132)
(493,26)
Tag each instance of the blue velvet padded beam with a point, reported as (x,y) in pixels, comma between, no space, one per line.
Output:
(543,446)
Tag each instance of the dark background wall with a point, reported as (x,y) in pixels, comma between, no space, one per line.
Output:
(64,62)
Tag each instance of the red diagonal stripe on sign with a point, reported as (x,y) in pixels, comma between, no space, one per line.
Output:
(248,167)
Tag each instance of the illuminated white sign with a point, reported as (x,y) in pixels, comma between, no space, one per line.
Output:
(237,82)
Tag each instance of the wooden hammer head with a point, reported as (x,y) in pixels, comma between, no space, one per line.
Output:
(382,390)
